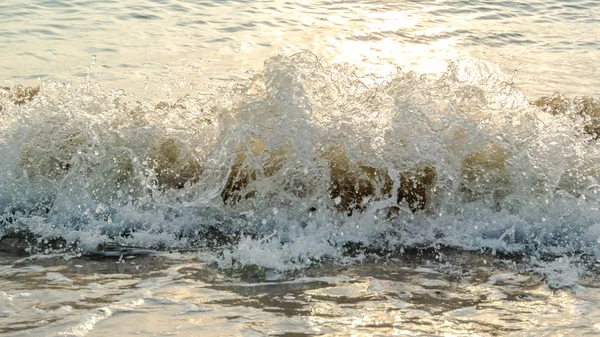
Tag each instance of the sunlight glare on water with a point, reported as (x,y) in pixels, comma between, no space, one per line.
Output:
(198,41)
(295,168)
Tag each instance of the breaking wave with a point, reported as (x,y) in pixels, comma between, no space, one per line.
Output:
(303,162)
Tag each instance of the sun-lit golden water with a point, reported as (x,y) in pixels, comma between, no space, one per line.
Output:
(180,296)
(552,47)
(403,168)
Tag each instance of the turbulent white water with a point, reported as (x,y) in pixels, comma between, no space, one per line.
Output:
(301,162)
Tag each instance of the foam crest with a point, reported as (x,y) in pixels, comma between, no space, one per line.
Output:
(303,162)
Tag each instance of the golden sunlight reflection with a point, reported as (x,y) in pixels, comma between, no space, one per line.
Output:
(192,300)
(375,37)
(377,47)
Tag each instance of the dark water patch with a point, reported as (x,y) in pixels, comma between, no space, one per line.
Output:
(223,39)
(33,77)
(24,243)
(179,8)
(101,50)
(37,32)
(143,16)
(33,55)
(55,4)
(27,325)
(237,28)
(192,22)
(63,27)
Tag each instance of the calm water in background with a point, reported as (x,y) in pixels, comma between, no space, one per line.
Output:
(269,283)
(553,46)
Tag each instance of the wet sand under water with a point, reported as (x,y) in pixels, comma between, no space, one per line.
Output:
(444,293)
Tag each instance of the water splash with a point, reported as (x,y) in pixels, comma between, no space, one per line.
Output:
(303,162)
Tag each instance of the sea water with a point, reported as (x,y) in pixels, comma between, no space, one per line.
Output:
(299,168)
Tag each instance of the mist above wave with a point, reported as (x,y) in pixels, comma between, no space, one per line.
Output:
(302,161)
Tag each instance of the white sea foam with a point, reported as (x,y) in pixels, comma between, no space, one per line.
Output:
(86,167)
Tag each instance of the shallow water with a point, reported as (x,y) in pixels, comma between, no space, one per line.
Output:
(323,168)
(156,296)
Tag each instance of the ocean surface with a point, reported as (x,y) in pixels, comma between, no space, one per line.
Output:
(277,168)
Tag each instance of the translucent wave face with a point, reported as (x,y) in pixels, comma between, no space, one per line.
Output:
(301,162)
